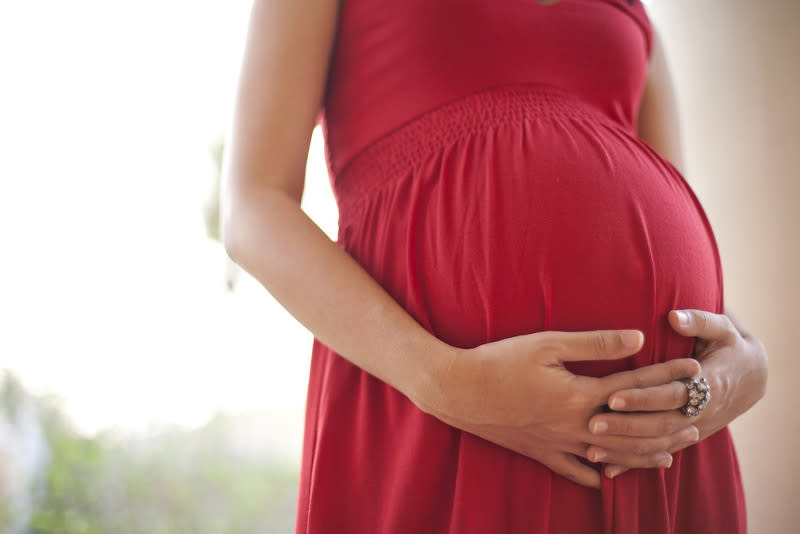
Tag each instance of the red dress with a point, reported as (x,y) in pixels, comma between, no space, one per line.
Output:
(485,161)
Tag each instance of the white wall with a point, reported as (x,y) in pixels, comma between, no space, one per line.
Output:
(737,70)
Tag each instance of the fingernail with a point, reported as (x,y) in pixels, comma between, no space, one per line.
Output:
(666,462)
(611,472)
(597,455)
(683,318)
(632,339)
(694,435)
(599,426)
(616,404)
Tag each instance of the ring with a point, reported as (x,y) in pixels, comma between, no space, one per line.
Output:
(699,395)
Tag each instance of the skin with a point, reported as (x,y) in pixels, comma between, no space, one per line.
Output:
(504,391)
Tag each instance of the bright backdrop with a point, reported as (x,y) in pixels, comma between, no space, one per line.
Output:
(111,296)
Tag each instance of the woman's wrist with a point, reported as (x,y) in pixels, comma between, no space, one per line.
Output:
(428,389)
(750,382)
(738,379)
(752,376)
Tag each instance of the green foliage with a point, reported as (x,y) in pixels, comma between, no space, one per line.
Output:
(76,466)
(211,210)
(169,481)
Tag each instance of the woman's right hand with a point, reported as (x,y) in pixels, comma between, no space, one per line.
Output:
(517,393)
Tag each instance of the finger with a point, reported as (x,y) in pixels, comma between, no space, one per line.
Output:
(670,396)
(649,376)
(649,425)
(618,463)
(637,446)
(680,446)
(702,324)
(659,459)
(570,467)
(594,345)
(613,470)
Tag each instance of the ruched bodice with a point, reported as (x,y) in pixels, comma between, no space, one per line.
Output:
(394,61)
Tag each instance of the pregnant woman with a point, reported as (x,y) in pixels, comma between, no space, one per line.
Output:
(499,346)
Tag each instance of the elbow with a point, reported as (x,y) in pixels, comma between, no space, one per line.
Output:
(230,221)
(254,216)
(229,244)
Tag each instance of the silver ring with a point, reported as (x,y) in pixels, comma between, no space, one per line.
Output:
(699,395)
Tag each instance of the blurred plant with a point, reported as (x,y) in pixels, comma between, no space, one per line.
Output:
(23,455)
(211,208)
(211,212)
(220,478)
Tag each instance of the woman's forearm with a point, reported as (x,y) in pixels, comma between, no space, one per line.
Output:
(324,288)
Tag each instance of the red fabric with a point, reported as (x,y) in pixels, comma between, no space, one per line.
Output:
(488,174)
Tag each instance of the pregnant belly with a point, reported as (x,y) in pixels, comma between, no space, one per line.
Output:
(540,215)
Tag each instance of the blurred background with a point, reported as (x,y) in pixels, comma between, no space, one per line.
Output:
(152,387)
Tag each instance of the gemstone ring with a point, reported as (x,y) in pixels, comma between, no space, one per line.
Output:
(699,395)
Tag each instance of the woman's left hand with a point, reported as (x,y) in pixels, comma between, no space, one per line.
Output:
(733,362)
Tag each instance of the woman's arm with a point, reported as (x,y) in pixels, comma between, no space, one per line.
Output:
(659,121)
(659,125)
(733,360)
(280,90)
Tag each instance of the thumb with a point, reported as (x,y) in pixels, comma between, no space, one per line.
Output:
(702,324)
(595,344)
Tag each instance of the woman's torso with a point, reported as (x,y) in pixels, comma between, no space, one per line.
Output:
(485,161)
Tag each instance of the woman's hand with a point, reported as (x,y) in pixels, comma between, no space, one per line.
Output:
(734,363)
(517,393)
